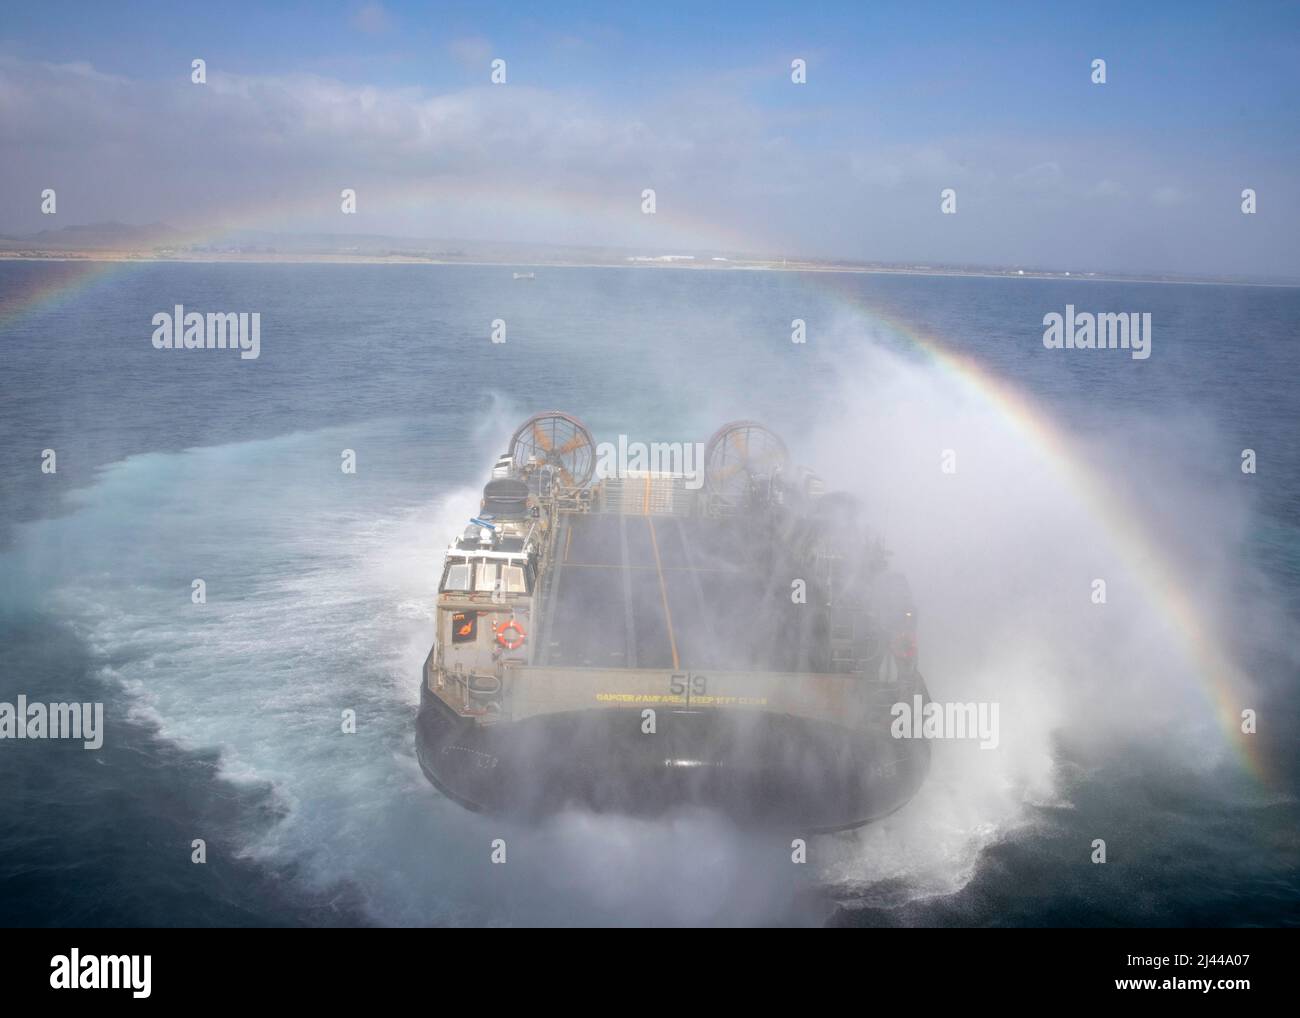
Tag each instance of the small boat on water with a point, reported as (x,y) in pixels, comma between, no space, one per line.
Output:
(525,275)
(638,642)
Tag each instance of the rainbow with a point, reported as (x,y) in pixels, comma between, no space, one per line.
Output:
(1225,687)
(63,281)
(667,228)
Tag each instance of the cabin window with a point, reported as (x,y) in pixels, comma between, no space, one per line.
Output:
(457,578)
(512,580)
(487,577)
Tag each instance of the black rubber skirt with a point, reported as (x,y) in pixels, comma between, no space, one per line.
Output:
(757,767)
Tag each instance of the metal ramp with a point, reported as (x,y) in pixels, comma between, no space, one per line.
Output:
(661,591)
(642,493)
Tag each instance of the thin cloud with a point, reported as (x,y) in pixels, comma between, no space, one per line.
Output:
(471,51)
(372,18)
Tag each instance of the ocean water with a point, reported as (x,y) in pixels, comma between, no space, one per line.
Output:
(223,719)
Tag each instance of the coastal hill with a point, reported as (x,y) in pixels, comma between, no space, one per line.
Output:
(114,241)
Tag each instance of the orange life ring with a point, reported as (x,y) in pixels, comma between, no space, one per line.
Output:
(511,644)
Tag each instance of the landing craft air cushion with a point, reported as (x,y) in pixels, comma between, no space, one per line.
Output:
(633,644)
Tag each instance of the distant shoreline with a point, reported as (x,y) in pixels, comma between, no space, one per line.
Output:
(732,265)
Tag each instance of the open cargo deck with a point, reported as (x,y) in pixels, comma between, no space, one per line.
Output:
(658,592)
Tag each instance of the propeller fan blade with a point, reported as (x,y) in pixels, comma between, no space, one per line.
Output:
(740,439)
(541,438)
(576,442)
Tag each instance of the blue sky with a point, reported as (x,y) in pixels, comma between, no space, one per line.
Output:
(695,100)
